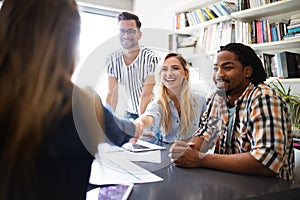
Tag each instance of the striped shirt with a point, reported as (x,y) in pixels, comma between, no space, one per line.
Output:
(134,75)
(261,126)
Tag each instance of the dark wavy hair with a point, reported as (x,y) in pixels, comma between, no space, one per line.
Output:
(130,16)
(247,56)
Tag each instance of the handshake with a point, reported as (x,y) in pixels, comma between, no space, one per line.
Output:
(142,123)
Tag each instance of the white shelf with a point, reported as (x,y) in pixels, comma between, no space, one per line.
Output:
(195,28)
(284,80)
(293,44)
(193,4)
(270,9)
(267,10)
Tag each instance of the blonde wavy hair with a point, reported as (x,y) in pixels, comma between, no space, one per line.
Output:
(186,101)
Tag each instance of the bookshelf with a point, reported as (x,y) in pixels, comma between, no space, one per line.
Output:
(271,12)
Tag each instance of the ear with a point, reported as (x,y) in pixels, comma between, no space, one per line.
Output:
(186,73)
(248,70)
(140,34)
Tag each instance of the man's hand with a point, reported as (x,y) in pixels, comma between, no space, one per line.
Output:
(184,155)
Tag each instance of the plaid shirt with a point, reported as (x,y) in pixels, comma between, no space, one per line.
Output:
(261,126)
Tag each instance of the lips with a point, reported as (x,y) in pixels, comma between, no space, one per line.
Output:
(220,83)
(170,80)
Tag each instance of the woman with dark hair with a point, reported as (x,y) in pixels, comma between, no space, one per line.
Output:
(46,150)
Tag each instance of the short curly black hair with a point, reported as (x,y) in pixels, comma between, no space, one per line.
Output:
(247,56)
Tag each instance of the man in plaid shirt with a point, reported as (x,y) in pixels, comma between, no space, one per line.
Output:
(254,136)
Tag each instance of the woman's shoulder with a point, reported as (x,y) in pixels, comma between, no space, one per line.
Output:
(199,95)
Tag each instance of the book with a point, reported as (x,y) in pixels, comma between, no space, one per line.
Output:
(195,17)
(293,26)
(216,10)
(253,32)
(231,6)
(200,15)
(294,21)
(278,65)
(274,33)
(291,36)
(219,7)
(210,13)
(224,8)
(189,19)
(264,31)
(206,16)
(259,32)
(290,64)
(177,40)
(294,30)
(280,30)
(269,64)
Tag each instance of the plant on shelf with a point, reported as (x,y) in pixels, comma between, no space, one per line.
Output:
(293,101)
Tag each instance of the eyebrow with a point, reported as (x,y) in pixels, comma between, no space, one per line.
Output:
(171,66)
(226,63)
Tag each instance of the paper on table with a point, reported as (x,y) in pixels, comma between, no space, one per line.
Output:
(115,171)
(113,166)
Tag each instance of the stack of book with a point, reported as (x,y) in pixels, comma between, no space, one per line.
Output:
(201,15)
(293,29)
(211,37)
(182,43)
(282,64)
(260,31)
(246,4)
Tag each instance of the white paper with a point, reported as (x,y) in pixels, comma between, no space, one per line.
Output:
(113,166)
(111,171)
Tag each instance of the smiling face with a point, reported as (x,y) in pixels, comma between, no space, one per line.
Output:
(173,74)
(230,75)
(129,34)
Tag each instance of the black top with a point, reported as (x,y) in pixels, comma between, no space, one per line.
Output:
(63,163)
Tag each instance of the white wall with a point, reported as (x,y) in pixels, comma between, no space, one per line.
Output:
(119,4)
(156,15)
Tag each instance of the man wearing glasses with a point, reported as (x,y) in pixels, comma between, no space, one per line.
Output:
(132,66)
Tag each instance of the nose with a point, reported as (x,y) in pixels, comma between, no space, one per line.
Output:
(218,72)
(169,72)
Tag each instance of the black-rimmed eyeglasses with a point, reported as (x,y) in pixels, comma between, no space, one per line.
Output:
(130,32)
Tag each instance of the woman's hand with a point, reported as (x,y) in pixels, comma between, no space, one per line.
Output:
(139,126)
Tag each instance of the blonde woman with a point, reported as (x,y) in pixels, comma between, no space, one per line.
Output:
(175,112)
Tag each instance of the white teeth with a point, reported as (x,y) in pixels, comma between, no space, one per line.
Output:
(170,79)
